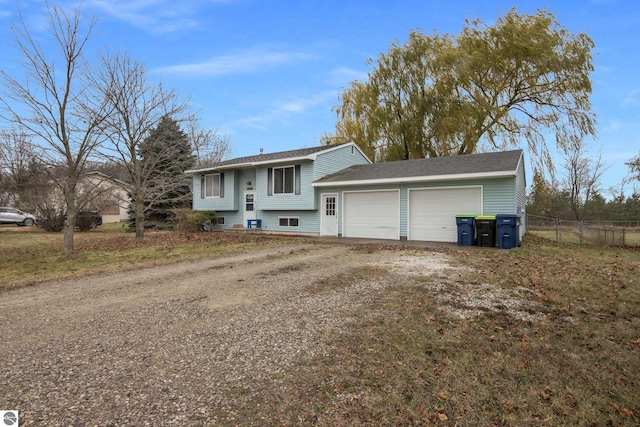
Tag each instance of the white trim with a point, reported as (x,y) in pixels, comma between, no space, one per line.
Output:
(246,215)
(213,179)
(323,210)
(405,180)
(293,183)
(289,218)
(389,190)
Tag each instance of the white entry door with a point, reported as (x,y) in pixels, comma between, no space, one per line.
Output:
(249,207)
(329,216)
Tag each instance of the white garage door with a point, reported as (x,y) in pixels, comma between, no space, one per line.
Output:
(432,212)
(372,214)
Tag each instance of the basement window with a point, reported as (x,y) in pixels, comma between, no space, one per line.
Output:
(289,221)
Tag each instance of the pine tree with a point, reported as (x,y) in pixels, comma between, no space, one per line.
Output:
(166,153)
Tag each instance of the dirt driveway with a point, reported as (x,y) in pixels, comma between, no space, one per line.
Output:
(175,345)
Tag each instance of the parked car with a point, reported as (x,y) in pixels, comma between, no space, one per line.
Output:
(16,216)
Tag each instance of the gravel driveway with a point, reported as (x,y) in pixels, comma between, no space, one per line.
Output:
(172,345)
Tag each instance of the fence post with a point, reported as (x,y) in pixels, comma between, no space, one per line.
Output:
(558,230)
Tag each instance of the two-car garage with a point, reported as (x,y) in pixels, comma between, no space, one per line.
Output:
(431,212)
(419,199)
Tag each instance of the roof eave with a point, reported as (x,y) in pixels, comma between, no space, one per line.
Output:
(416,179)
(309,157)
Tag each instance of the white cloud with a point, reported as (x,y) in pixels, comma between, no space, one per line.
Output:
(248,61)
(284,110)
(155,16)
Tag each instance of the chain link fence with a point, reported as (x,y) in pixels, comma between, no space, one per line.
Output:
(610,233)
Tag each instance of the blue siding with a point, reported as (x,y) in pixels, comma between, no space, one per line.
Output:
(308,221)
(336,160)
(283,202)
(228,202)
(499,196)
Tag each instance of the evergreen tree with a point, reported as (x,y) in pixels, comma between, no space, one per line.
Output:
(166,153)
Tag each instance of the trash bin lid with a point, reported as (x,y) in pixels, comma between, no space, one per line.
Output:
(466,216)
(493,217)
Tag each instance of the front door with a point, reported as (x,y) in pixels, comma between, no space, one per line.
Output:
(249,207)
(329,216)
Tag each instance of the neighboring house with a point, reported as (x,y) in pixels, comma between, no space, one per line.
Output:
(108,195)
(336,191)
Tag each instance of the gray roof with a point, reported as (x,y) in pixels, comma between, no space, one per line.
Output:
(269,157)
(498,163)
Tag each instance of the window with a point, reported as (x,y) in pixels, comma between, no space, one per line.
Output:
(249,202)
(283,180)
(221,220)
(330,206)
(212,185)
(289,221)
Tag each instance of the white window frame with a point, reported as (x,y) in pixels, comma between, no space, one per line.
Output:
(221,220)
(283,181)
(289,220)
(211,177)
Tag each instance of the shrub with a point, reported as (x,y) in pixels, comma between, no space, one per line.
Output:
(188,220)
(51,220)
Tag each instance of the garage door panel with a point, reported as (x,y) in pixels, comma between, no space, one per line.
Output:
(432,212)
(373,214)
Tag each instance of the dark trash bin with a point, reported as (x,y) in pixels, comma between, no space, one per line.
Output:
(486,230)
(466,231)
(508,231)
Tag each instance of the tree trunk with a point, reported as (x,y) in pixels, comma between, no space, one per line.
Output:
(139,214)
(70,220)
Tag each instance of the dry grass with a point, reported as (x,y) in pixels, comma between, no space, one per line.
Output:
(28,255)
(414,360)
(422,354)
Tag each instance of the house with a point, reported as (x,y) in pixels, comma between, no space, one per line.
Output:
(106,194)
(336,191)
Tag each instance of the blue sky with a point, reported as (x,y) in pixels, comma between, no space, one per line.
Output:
(268,73)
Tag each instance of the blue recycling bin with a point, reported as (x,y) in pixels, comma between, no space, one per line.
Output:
(508,230)
(466,231)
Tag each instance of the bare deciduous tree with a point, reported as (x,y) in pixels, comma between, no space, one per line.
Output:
(208,146)
(53,101)
(21,170)
(581,178)
(137,107)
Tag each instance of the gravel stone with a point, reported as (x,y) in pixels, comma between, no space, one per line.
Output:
(181,344)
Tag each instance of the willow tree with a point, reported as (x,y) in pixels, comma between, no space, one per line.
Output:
(523,79)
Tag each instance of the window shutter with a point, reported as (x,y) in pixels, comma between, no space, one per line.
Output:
(221,185)
(202,186)
(297,179)
(270,182)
